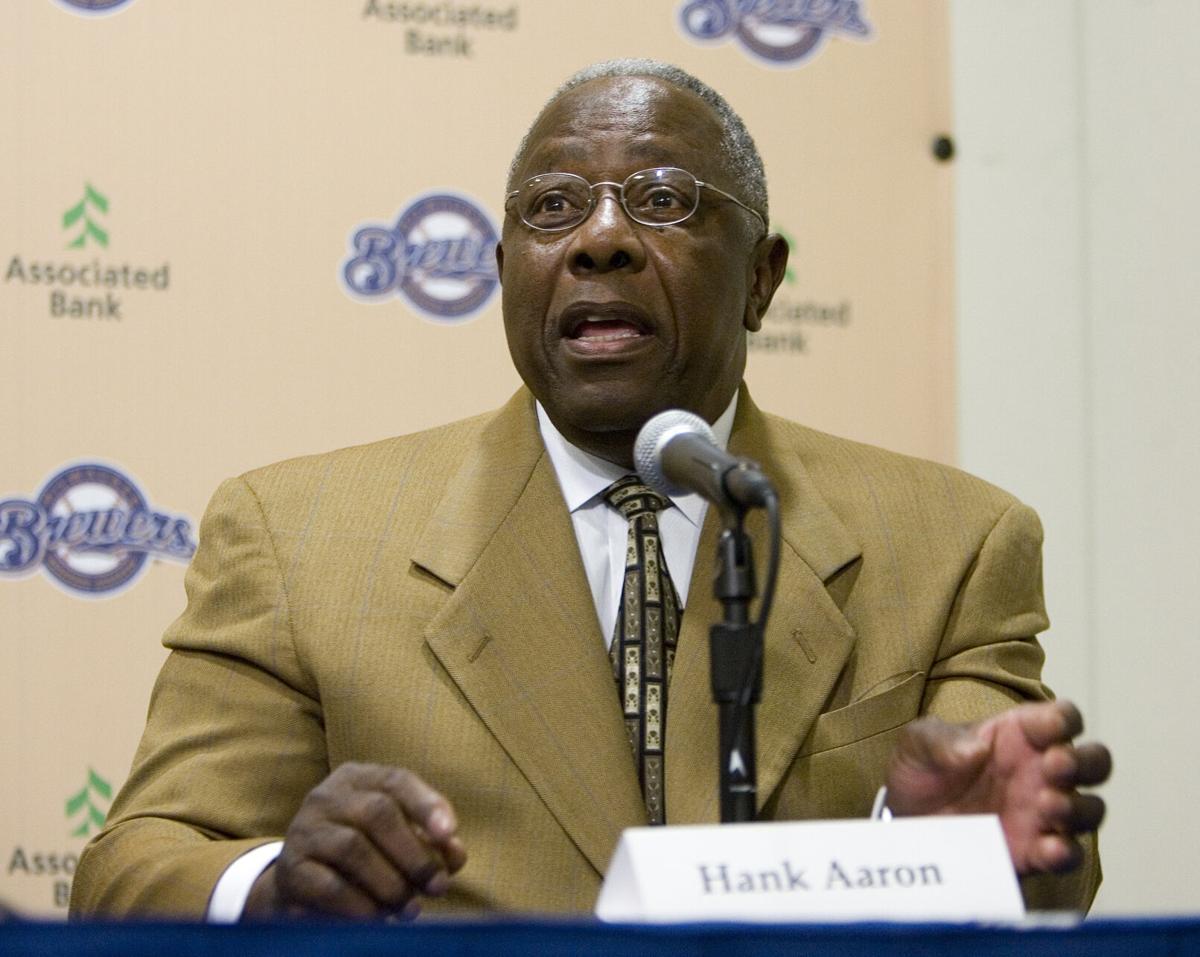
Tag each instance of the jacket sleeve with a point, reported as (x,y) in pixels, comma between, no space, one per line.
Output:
(989,660)
(233,741)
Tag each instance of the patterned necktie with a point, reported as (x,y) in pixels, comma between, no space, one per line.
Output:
(643,645)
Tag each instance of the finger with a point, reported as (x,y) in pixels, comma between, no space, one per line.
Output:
(1071,812)
(413,824)
(411,911)
(355,857)
(454,854)
(1083,765)
(1095,764)
(377,815)
(1053,854)
(311,886)
(1060,766)
(1051,722)
(422,804)
(419,802)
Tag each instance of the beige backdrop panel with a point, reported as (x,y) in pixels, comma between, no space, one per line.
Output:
(238,146)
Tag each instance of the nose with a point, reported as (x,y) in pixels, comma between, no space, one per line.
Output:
(608,239)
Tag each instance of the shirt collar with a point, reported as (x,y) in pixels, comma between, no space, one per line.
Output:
(583,476)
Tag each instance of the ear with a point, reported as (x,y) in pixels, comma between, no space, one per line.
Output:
(500,261)
(768,263)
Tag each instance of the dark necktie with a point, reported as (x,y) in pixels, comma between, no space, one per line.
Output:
(643,645)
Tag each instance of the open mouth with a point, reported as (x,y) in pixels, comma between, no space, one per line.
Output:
(597,328)
(605,330)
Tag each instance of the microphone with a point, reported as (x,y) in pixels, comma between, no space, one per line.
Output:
(676,452)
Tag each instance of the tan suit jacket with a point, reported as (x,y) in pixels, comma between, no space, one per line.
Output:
(421,602)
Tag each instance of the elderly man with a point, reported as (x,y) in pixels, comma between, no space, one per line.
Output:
(393,684)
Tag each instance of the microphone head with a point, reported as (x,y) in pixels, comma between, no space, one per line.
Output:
(653,438)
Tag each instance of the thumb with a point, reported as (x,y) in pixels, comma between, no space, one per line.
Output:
(934,762)
(932,744)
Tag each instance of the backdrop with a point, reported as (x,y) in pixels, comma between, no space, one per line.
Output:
(235,232)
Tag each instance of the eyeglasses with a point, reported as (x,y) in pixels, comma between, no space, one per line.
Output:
(664,196)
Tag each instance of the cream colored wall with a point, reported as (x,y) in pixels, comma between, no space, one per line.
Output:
(1078,304)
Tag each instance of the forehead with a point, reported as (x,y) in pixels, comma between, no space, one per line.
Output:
(626,123)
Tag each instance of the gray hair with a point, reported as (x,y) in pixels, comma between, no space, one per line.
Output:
(738,152)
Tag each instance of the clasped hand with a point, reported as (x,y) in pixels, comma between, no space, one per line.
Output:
(365,843)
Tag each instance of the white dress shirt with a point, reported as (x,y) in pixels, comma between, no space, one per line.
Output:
(601,532)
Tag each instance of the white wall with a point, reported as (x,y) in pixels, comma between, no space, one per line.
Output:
(1078,302)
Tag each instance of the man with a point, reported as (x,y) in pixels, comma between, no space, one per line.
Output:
(394,656)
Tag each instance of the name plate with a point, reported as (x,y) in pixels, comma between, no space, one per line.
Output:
(944,868)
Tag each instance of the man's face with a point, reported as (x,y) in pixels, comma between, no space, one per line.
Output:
(612,321)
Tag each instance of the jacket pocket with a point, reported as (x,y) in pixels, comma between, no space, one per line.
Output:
(879,712)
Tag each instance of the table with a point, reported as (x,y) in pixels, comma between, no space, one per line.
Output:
(586,938)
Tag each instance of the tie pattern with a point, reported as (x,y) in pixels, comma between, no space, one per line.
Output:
(644,638)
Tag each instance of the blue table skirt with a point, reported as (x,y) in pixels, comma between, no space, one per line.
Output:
(592,939)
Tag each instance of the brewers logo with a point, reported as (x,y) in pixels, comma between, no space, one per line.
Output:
(440,256)
(779,32)
(91,529)
(93,6)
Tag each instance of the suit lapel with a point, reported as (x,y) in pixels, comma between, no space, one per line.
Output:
(805,646)
(519,635)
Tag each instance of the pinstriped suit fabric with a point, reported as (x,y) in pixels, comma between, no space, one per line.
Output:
(421,602)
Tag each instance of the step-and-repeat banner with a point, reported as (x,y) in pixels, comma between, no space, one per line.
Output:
(235,232)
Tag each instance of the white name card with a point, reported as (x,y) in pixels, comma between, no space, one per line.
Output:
(945,868)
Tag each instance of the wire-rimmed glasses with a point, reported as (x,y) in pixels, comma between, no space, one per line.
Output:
(663,196)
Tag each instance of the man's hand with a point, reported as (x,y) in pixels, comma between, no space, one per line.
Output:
(1020,765)
(365,843)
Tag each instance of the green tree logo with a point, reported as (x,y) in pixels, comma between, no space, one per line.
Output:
(84,803)
(95,200)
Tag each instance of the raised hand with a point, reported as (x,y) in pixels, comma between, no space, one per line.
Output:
(1020,765)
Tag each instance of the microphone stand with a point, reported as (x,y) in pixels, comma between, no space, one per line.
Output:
(676,451)
(735,657)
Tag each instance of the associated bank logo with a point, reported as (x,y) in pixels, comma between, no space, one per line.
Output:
(87,807)
(80,284)
(442,30)
(440,257)
(91,530)
(93,7)
(795,325)
(779,32)
(86,811)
